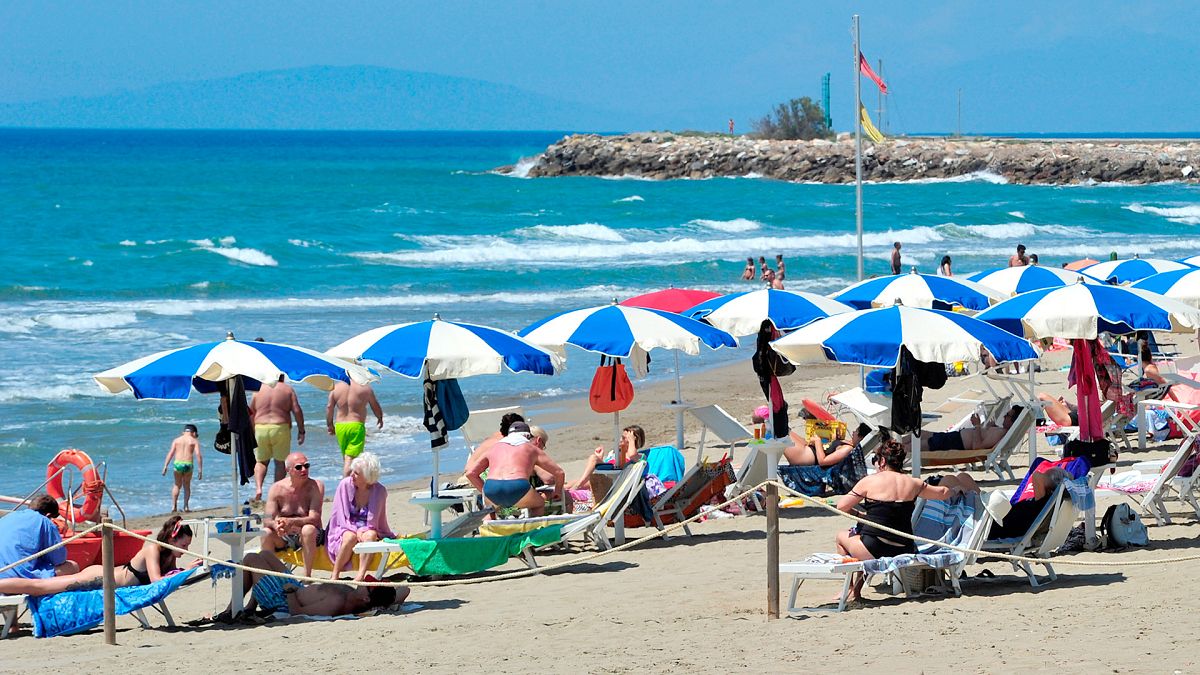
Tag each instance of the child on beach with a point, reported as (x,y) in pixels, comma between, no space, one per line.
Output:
(184,452)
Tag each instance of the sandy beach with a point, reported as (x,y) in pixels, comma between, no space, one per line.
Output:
(698,604)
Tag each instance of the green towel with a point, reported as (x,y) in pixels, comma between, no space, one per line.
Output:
(467,555)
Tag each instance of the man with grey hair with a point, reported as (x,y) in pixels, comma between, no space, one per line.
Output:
(292,518)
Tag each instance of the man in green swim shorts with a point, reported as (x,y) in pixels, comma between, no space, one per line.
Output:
(346,418)
(183,452)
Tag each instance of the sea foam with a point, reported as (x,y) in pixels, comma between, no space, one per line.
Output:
(593,231)
(1185,215)
(732,226)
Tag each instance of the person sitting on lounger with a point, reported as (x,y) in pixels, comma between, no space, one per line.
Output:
(1023,513)
(28,531)
(978,436)
(812,452)
(359,514)
(272,594)
(1059,411)
(509,464)
(1151,378)
(151,563)
(888,497)
(633,439)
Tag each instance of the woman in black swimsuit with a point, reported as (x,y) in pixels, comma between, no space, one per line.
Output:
(150,564)
(888,497)
(154,562)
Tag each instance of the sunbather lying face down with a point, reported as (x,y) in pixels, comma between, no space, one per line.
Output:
(281,594)
(888,497)
(978,436)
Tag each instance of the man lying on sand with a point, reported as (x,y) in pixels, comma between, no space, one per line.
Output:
(978,436)
(282,594)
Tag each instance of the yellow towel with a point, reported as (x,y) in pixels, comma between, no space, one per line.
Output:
(868,128)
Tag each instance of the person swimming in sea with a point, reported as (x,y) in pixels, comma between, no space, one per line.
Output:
(184,456)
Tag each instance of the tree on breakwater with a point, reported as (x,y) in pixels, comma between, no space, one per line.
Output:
(798,119)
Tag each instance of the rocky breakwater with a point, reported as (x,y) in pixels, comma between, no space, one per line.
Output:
(664,156)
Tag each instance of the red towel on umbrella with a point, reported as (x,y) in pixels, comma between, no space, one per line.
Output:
(1083,378)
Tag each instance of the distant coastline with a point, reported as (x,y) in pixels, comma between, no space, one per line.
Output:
(1033,161)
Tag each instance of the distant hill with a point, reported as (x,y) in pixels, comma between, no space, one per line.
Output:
(318,97)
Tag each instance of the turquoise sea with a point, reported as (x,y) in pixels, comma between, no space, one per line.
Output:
(117,244)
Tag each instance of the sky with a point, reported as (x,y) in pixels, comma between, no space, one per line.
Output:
(1021,66)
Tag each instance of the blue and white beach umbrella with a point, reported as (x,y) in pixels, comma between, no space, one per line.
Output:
(743,313)
(873,338)
(173,374)
(1181,285)
(447,349)
(1014,280)
(1134,269)
(1194,261)
(1083,311)
(629,332)
(617,330)
(918,290)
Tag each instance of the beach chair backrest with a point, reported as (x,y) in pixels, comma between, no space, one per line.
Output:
(721,424)
(1062,521)
(623,489)
(467,523)
(483,423)
(754,470)
(1173,465)
(1040,527)
(1017,433)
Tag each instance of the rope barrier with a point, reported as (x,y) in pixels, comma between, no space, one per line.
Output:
(617,549)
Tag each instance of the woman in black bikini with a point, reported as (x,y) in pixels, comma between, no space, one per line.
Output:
(812,452)
(150,564)
(888,497)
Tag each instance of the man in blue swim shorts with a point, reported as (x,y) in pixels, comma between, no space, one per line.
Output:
(509,464)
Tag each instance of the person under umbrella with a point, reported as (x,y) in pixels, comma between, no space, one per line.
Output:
(770,366)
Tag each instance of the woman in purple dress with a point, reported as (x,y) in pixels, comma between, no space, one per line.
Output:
(359,514)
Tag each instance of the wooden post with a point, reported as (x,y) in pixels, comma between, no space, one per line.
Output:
(772,551)
(110,583)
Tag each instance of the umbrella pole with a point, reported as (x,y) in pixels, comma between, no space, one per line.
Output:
(617,437)
(915,444)
(1033,401)
(678,405)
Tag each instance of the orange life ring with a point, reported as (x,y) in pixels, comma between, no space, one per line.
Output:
(92,488)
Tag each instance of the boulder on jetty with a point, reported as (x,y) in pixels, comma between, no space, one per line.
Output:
(664,156)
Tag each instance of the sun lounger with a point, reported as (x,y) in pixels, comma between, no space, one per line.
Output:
(75,611)
(967,522)
(1048,531)
(872,409)
(392,556)
(11,608)
(699,485)
(591,525)
(722,425)
(1169,480)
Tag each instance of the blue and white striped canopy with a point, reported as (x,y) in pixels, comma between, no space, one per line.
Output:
(447,349)
(873,338)
(1181,285)
(173,374)
(743,313)
(1194,261)
(614,330)
(1013,280)
(1134,269)
(1085,310)
(918,290)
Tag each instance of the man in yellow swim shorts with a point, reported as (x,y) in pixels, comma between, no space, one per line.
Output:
(272,409)
(346,418)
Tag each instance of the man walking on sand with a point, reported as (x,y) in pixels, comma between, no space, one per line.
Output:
(272,409)
(346,418)
(183,455)
(292,516)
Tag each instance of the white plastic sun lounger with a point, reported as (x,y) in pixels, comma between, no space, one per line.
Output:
(1048,531)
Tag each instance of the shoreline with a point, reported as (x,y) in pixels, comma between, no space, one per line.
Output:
(666,156)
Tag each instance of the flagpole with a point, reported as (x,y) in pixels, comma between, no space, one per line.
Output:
(858,150)
(862,373)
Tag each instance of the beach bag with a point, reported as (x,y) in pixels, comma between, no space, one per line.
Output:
(452,404)
(611,389)
(1122,527)
(1097,453)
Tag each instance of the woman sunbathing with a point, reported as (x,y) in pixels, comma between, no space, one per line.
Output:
(151,563)
(1059,411)
(888,497)
(633,439)
(812,452)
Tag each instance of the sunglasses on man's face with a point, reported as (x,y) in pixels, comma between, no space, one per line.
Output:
(303,466)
